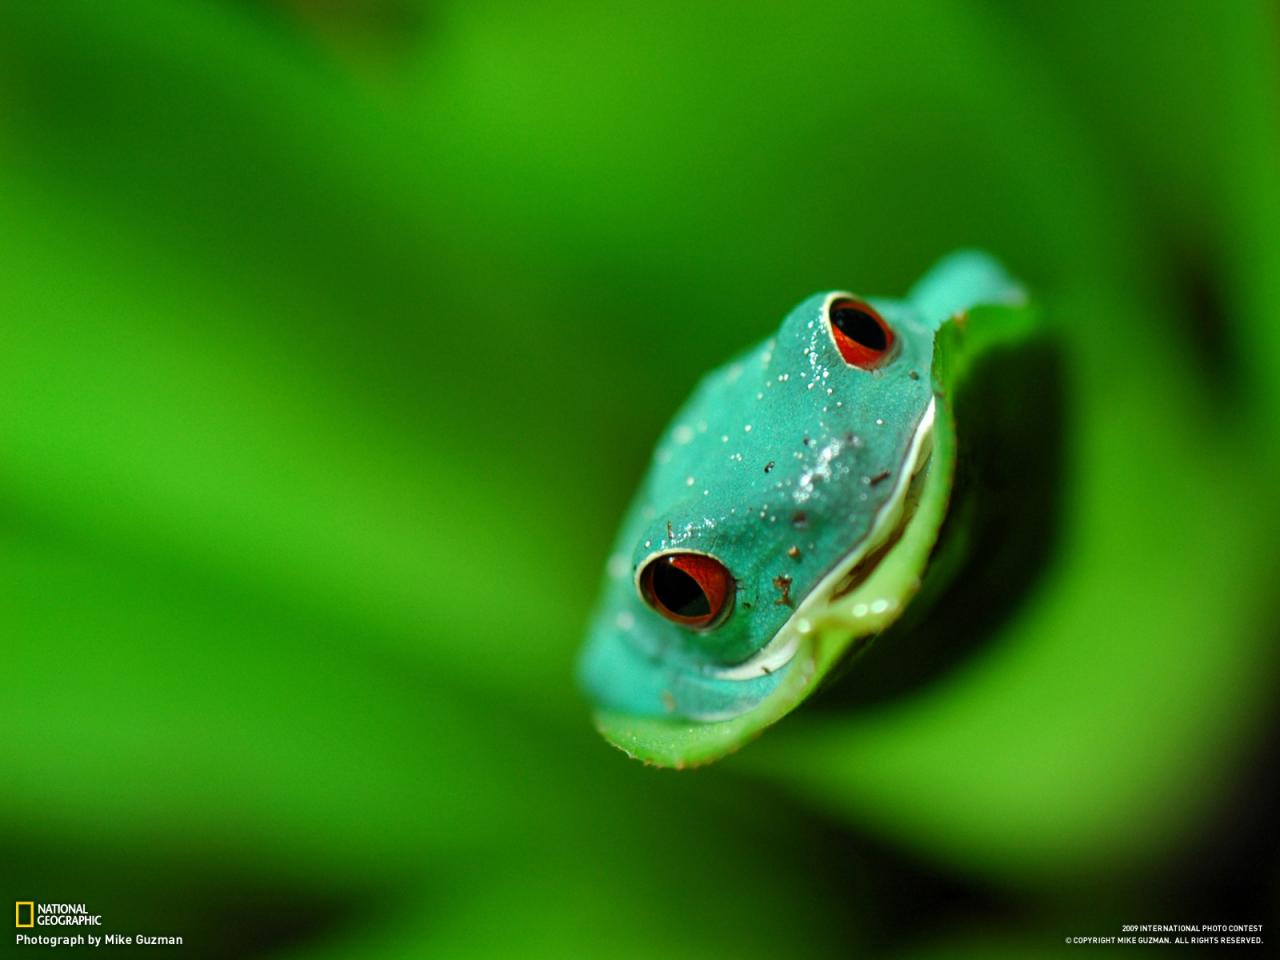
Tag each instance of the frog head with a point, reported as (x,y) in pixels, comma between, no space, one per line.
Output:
(789,513)
(772,490)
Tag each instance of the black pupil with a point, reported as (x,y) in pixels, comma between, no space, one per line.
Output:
(858,325)
(679,592)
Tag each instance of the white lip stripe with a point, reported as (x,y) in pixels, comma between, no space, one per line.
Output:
(770,658)
(779,651)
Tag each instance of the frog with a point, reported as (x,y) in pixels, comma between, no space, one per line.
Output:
(787,516)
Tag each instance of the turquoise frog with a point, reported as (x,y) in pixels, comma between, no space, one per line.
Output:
(787,481)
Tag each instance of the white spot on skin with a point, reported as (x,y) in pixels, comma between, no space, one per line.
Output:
(682,434)
(819,472)
(663,455)
(747,428)
(688,481)
(879,422)
(879,606)
(619,566)
(625,620)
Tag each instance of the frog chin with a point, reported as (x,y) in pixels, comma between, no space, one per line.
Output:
(852,569)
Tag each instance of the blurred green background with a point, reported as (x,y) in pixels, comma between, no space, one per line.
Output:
(336,335)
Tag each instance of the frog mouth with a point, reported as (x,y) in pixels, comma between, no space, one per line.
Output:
(848,574)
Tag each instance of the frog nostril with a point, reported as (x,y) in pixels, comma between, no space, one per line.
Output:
(860,333)
(692,589)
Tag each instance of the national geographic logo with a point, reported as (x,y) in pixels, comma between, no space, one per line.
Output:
(28,913)
(32,913)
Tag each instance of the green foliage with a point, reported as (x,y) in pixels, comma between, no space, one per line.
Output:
(334,342)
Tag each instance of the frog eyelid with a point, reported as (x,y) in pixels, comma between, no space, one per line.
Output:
(860,334)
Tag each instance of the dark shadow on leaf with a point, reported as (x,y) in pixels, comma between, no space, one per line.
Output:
(1001,531)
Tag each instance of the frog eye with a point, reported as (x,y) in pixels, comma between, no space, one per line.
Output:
(861,335)
(691,589)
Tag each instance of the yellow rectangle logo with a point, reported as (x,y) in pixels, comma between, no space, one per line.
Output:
(31,913)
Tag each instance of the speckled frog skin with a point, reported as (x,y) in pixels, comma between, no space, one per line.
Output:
(787,469)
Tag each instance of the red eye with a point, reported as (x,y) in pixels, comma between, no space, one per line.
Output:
(862,337)
(691,589)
